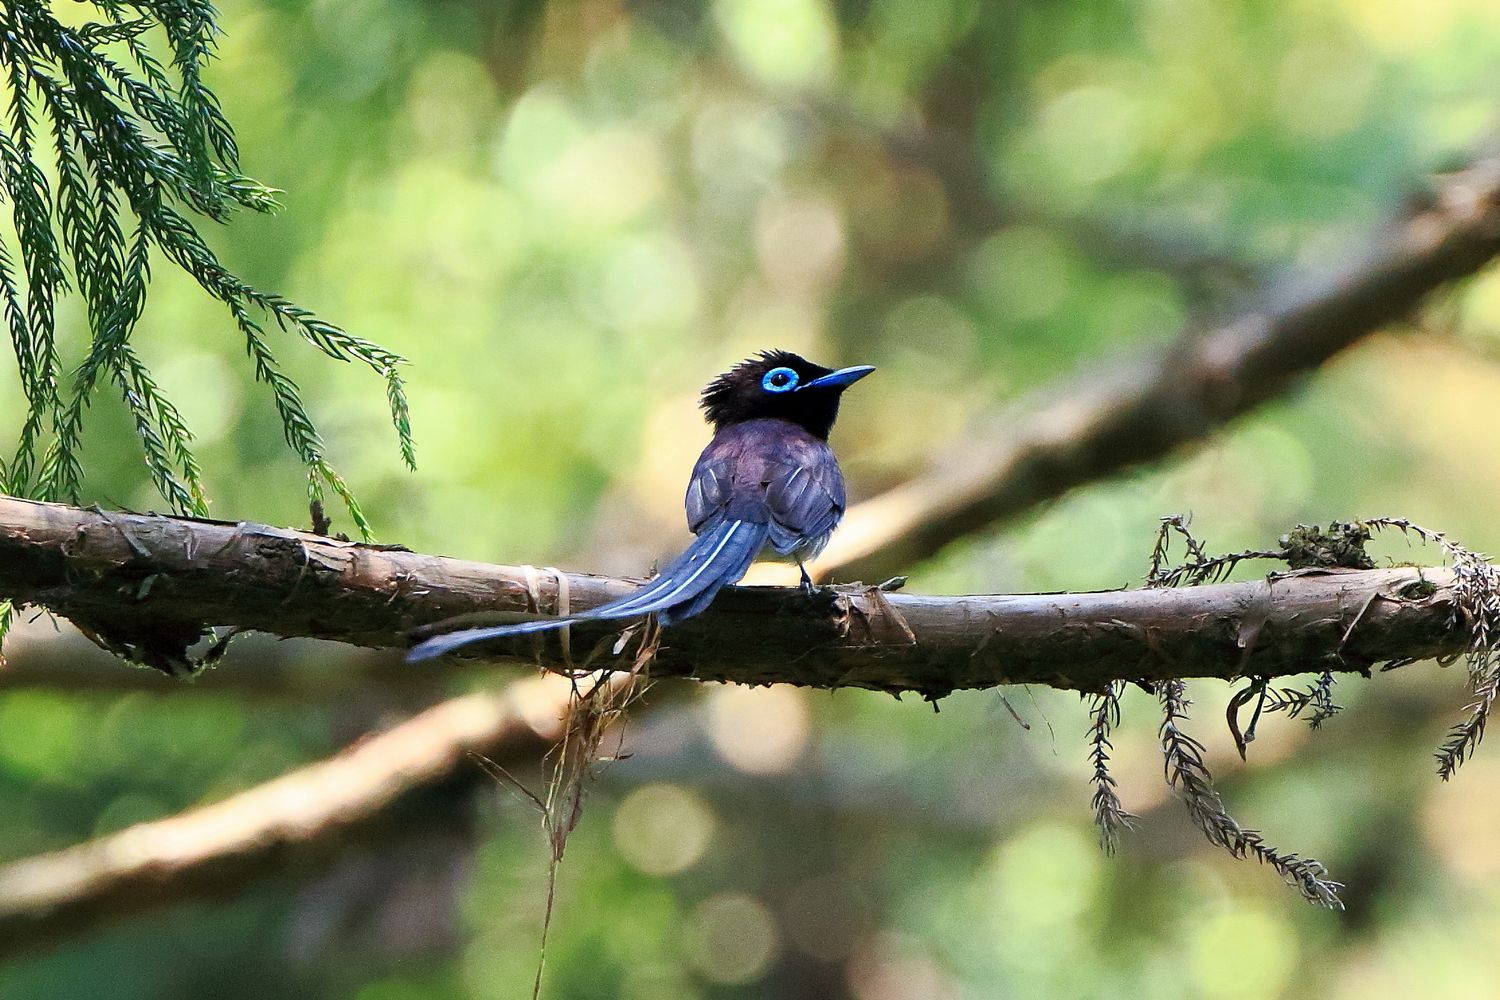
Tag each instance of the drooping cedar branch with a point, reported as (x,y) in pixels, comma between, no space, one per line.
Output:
(1143,410)
(151,585)
(288,825)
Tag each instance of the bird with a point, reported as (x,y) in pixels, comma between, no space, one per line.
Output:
(766,482)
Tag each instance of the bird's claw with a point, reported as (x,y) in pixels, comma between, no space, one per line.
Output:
(807,584)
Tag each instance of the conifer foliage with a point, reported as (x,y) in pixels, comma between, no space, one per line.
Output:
(110,144)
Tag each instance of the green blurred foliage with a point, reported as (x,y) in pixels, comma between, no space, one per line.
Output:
(568,215)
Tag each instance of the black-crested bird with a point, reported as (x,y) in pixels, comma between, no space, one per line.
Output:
(767,481)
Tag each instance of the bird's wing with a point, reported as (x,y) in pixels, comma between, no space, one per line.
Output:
(806,502)
(708,492)
(773,475)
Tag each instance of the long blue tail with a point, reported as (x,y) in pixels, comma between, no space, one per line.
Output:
(718,557)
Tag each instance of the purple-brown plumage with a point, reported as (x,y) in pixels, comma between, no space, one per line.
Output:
(767,480)
(773,472)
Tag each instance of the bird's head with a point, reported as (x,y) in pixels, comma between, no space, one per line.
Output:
(779,384)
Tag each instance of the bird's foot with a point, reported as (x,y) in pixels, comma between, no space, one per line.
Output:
(807,584)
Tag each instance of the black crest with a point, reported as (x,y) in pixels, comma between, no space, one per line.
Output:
(742,393)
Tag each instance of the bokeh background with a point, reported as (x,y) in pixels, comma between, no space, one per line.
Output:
(568,215)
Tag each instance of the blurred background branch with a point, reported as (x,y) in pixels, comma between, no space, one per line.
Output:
(389,784)
(1143,409)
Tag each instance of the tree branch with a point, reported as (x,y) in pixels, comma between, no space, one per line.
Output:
(1117,241)
(292,823)
(1146,409)
(150,586)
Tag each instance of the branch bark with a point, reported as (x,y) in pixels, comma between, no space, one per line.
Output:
(1146,409)
(151,585)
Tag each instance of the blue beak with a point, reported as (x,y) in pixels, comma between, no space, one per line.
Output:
(841,379)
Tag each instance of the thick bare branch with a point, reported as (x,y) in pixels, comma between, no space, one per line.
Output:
(1143,410)
(149,585)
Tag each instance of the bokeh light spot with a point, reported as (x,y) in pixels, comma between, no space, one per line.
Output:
(650,282)
(1241,953)
(800,242)
(731,938)
(1046,878)
(206,391)
(758,730)
(790,43)
(892,967)
(1091,133)
(933,327)
(1023,272)
(450,104)
(737,146)
(653,981)
(40,733)
(1323,90)
(663,829)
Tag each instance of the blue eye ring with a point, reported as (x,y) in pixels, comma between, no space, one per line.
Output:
(779,380)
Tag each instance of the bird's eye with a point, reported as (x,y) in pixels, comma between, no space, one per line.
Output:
(779,380)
